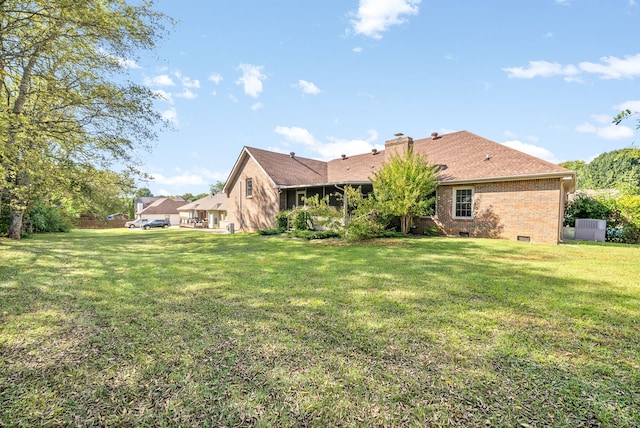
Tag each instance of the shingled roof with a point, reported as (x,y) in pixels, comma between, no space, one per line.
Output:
(208,203)
(287,170)
(461,156)
(163,206)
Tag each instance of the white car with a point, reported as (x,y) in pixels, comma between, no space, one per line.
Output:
(140,222)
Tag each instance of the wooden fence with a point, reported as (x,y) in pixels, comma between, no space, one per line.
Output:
(99,224)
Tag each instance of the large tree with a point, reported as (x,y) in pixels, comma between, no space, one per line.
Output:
(405,187)
(618,169)
(66,107)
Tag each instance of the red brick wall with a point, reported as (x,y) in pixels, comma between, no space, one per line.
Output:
(506,210)
(259,211)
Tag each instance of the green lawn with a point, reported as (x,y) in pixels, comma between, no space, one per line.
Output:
(187,328)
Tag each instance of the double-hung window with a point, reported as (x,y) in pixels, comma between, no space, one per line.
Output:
(249,187)
(463,203)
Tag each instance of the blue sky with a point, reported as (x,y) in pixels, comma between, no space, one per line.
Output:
(325,78)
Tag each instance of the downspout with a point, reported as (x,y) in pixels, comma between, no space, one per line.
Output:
(240,222)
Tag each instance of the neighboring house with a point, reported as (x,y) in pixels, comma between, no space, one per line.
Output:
(163,209)
(209,212)
(485,189)
(142,203)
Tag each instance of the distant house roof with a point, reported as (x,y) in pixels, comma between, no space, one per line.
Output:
(147,199)
(208,203)
(461,157)
(163,206)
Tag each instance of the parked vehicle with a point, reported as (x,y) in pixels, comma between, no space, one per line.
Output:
(157,223)
(136,223)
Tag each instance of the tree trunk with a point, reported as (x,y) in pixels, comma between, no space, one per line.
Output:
(405,223)
(15,227)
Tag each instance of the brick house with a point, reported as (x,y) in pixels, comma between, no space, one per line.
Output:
(162,209)
(485,189)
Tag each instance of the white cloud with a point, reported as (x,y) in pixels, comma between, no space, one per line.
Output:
(215,78)
(334,147)
(187,82)
(233,98)
(307,87)
(339,146)
(257,106)
(607,132)
(194,177)
(357,49)
(541,69)
(128,63)
(634,106)
(376,16)
(166,96)
(160,80)
(537,151)
(611,67)
(296,135)
(170,115)
(608,68)
(251,79)
(187,94)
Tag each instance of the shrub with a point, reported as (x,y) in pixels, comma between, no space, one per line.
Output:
(45,219)
(366,226)
(585,206)
(301,220)
(622,214)
(282,220)
(270,231)
(314,234)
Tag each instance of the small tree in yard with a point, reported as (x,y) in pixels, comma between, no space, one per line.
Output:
(404,187)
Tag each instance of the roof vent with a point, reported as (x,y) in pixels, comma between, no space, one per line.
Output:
(434,135)
(344,157)
(487,157)
(292,155)
(374,151)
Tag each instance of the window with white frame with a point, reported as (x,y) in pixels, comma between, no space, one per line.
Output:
(249,187)
(463,203)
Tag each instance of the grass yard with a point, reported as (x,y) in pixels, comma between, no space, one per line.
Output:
(186,328)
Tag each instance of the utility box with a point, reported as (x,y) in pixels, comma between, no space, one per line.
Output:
(589,229)
(231,228)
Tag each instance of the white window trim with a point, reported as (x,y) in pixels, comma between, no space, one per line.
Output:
(455,194)
(304,195)
(246,180)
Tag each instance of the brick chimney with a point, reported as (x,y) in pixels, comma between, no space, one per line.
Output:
(398,146)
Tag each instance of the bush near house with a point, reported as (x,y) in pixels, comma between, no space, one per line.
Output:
(622,213)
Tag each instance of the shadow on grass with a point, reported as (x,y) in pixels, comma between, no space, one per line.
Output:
(188,328)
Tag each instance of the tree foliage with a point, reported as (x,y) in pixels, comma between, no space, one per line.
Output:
(623,115)
(216,188)
(364,220)
(578,166)
(405,187)
(143,192)
(618,169)
(622,214)
(65,109)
